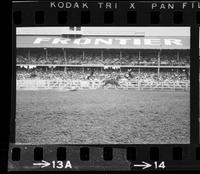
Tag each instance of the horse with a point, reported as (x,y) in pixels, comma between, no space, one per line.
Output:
(112,81)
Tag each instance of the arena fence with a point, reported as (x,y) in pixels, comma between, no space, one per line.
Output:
(95,84)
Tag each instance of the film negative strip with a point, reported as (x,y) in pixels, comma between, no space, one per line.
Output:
(105,86)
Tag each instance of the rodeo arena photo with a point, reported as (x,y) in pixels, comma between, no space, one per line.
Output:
(101,85)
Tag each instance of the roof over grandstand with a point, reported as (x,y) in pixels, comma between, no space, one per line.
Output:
(104,42)
(106,30)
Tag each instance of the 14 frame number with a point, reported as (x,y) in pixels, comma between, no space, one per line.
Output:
(159,165)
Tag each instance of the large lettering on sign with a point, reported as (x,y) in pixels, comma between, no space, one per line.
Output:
(104,42)
(108,41)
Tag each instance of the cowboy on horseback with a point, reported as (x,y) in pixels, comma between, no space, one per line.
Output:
(113,80)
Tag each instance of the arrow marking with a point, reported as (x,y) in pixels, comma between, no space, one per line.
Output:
(43,164)
(144,165)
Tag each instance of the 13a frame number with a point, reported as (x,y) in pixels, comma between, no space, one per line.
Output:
(61,164)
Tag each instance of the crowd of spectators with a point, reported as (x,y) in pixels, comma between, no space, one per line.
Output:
(55,56)
(130,58)
(106,57)
(148,58)
(174,58)
(80,74)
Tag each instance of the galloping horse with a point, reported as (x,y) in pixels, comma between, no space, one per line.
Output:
(112,81)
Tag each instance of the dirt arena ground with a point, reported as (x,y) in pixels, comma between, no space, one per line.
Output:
(102,117)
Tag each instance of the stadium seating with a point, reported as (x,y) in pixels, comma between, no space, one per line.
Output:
(80,75)
(78,57)
(72,57)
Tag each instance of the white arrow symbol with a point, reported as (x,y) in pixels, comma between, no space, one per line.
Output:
(43,164)
(144,165)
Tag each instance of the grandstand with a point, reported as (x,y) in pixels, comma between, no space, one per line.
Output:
(154,62)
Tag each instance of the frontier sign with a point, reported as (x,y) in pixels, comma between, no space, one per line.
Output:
(107,42)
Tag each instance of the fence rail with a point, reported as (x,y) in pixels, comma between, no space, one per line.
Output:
(86,84)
